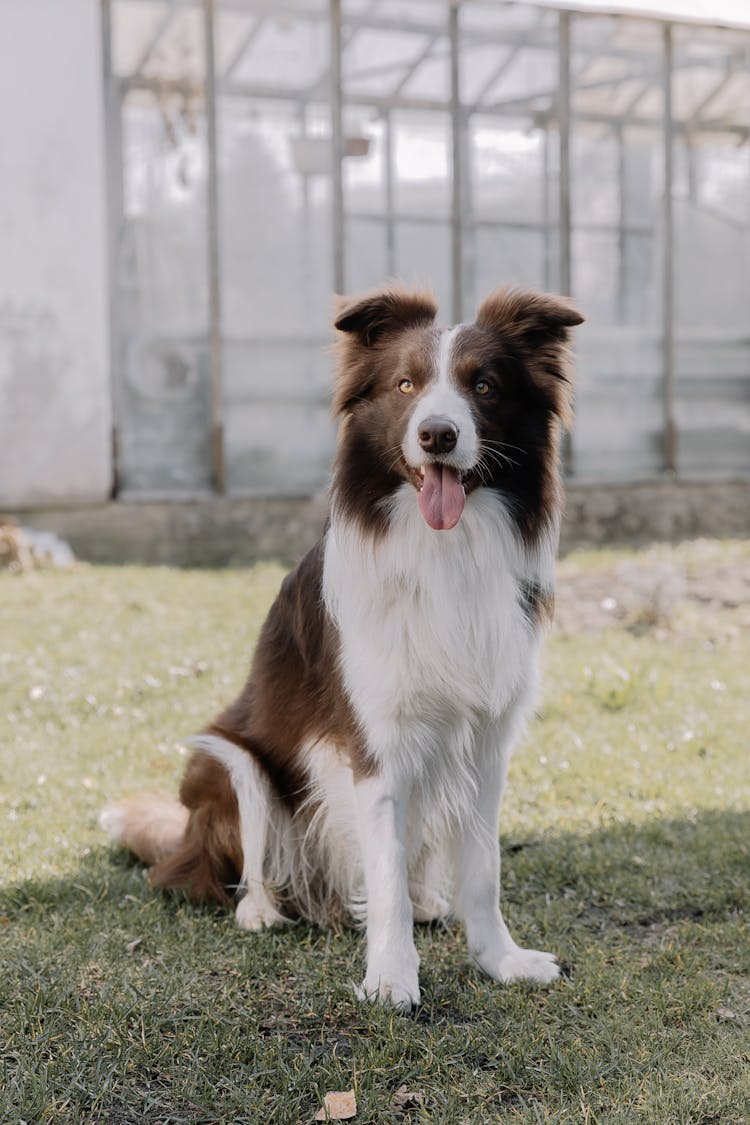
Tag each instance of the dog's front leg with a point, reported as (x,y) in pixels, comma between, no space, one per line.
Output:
(477,902)
(392,975)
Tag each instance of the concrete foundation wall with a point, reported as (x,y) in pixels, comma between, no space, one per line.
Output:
(54,348)
(218,532)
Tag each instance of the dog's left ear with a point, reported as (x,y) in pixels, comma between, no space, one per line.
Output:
(363,323)
(537,325)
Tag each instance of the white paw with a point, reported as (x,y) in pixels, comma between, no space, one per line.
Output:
(428,905)
(403,995)
(524,964)
(256,911)
(393,982)
(112,820)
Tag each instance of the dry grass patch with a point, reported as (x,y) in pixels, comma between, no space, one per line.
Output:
(627,839)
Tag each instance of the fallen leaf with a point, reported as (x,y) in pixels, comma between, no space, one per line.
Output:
(723,1014)
(406,1099)
(338,1105)
(133,945)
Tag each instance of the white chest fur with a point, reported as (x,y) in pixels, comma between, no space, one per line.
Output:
(435,639)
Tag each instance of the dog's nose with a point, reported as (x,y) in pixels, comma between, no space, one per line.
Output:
(437,435)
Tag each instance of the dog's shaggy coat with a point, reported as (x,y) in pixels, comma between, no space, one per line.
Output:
(361,768)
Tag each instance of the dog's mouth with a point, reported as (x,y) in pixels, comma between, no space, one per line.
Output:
(442,494)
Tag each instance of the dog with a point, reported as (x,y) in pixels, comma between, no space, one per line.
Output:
(361,769)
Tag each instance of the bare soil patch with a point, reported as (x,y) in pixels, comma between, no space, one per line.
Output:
(681,588)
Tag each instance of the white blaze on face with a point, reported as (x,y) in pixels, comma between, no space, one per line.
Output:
(442,498)
(443,398)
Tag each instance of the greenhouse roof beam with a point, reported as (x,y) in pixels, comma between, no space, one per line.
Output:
(510,58)
(155,39)
(421,57)
(729,72)
(386,69)
(317,89)
(302,10)
(647,86)
(650,79)
(245,44)
(435,105)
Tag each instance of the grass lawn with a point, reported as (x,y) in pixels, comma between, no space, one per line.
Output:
(626,830)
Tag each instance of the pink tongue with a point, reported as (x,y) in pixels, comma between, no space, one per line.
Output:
(442,498)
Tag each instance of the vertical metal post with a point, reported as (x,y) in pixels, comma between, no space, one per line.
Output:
(622,220)
(306,252)
(564,186)
(668,296)
(468,225)
(337,148)
(563,123)
(214,278)
(113,151)
(546,217)
(389,168)
(457,183)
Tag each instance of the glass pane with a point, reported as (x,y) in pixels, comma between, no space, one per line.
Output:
(617,161)
(276,277)
(509,74)
(423,258)
(712,252)
(163,396)
(274,164)
(397,168)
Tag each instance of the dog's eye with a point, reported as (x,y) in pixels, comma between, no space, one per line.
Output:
(406,386)
(482,387)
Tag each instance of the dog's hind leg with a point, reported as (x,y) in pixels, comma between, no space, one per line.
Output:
(256,909)
(430,879)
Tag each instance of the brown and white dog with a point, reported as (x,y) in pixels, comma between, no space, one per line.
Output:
(361,768)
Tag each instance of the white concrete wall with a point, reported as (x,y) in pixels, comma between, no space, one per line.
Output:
(55,409)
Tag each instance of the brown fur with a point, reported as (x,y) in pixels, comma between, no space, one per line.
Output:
(519,343)
(154,826)
(294,694)
(536,327)
(208,862)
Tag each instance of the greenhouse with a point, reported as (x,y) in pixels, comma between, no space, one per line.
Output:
(262,154)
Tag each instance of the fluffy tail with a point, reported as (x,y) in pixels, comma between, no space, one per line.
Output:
(152,827)
(193,843)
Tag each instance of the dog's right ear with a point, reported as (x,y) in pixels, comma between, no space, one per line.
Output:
(364,322)
(383,310)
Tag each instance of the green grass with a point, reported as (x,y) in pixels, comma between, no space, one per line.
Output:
(627,850)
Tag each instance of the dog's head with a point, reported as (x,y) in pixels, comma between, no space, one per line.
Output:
(454,410)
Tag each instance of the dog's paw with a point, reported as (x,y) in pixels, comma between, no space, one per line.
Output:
(428,905)
(112,821)
(256,911)
(524,964)
(401,993)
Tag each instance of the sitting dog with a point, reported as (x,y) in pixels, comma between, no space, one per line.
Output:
(361,768)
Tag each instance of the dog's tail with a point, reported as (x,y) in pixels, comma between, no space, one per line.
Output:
(192,843)
(153,827)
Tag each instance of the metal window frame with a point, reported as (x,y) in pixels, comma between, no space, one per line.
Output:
(463,226)
(668,273)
